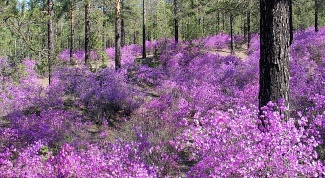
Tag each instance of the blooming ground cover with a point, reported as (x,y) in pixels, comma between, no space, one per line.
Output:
(201,121)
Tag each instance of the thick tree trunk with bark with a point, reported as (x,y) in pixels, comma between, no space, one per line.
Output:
(117,36)
(71,30)
(316,15)
(175,21)
(143,31)
(275,50)
(50,36)
(87,33)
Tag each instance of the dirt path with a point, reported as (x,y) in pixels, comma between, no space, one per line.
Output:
(240,52)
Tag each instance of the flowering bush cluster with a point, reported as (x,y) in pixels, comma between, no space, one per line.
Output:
(112,160)
(21,94)
(102,94)
(226,144)
(201,121)
(78,55)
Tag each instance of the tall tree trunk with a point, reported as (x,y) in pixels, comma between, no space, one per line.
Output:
(316,15)
(175,21)
(122,26)
(242,26)
(202,24)
(275,50)
(135,37)
(122,33)
(87,33)
(232,34)
(15,46)
(149,35)
(50,36)
(71,30)
(143,31)
(79,42)
(223,22)
(218,23)
(104,36)
(290,22)
(248,29)
(117,36)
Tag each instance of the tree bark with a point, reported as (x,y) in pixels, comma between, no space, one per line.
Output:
(122,33)
(122,26)
(50,36)
(232,34)
(87,33)
(71,30)
(117,36)
(218,23)
(223,22)
(135,37)
(143,31)
(248,29)
(275,50)
(316,15)
(290,21)
(175,21)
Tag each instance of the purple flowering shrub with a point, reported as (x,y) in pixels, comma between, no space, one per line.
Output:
(195,114)
(78,55)
(118,159)
(47,126)
(101,94)
(21,94)
(197,86)
(228,144)
(219,41)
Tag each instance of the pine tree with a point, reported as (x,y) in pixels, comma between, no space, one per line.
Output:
(87,32)
(50,36)
(117,35)
(275,50)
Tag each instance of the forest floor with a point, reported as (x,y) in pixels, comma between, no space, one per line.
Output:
(240,52)
(94,130)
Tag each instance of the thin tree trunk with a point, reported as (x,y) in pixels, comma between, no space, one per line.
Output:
(143,31)
(71,30)
(135,37)
(223,22)
(87,33)
(316,15)
(122,33)
(202,24)
(15,47)
(122,27)
(155,28)
(117,36)
(104,37)
(275,50)
(50,38)
(242,26)
(218,23)
(175,21)
(79,42)
(248,29)
(290,22)
(232,34)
